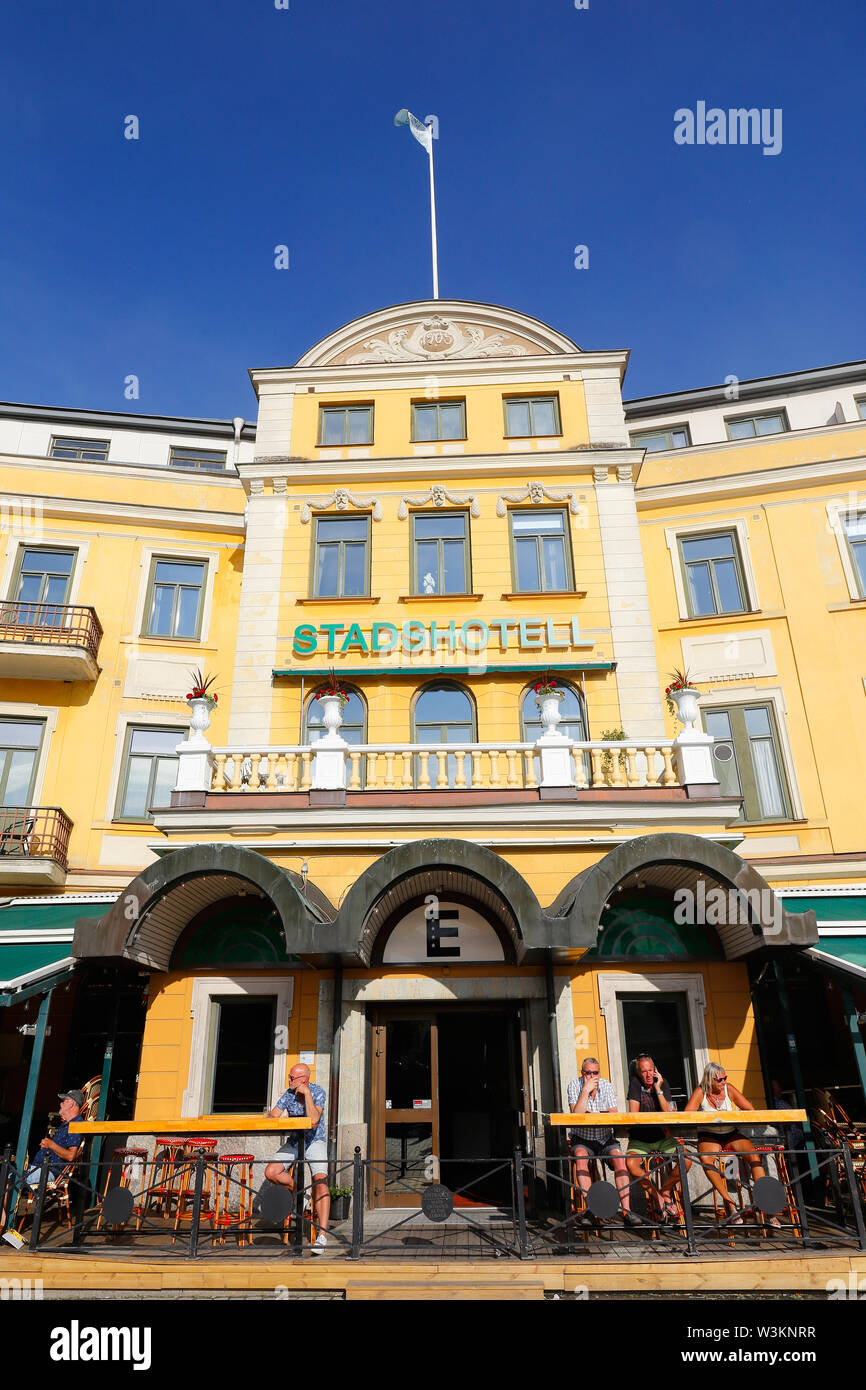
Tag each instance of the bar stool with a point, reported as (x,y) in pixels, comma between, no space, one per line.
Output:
(186,1192)
(164,1187)
(778,1152)
(657,1171)
(221,1219)
(125,1154)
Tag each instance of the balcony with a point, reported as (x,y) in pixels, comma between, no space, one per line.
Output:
(48,641)
(34,845)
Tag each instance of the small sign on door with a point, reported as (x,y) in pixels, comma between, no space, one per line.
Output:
(422,1105)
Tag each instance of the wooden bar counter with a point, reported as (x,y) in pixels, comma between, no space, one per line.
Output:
(192,1124)
(682,1119)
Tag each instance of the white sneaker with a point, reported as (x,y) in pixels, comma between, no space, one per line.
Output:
(319,1244)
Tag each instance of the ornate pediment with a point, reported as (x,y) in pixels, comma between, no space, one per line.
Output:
(435,331)
(438,339)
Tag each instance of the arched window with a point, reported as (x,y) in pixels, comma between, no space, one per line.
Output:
(444,712)
(354,726)
(573,723)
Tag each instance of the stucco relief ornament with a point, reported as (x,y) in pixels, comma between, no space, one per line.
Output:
(440,497)
(341,500)
(536,494)
(436,339)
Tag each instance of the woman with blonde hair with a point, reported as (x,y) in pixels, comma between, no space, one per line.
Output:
(716,1093)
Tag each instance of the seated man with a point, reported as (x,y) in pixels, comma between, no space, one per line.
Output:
(60,1150)
(594,1095)
(56,1152)
(648,1091)
(304,1098)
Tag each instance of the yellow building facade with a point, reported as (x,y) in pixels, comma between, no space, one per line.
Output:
(384,852)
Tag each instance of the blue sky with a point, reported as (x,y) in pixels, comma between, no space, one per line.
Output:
(261,126)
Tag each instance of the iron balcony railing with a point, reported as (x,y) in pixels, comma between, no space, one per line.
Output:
(55,624)
(35,832)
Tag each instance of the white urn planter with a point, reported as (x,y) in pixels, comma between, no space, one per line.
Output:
(686,701)
(548,706)
(200,710)
(332,715)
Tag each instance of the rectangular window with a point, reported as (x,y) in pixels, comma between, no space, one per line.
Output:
(531,415)
(174,598)
(748,426)
(148,771)
(441,545)
(713,572)
(41,586)
(205,460)
(20,741)
(860,403)
(240,1058)
(855,532)
(345,424)
(341,557)
(94,450)
(541,560)
(747,759)
(439,420)
(671,437)
(659,1024)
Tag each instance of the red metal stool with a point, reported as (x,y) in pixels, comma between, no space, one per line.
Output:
(124,1154)
(165,1187)
(186,1192)
(221,1219)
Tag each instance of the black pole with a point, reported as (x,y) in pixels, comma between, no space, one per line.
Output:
(300,1169)
(195,1223)
(40,1203)
(763,1049)
(521,1209)
(688,1215)
(554,1036)
(794,1058)
(336,1038)
(357,1204)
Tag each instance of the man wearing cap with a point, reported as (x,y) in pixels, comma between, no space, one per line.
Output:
(60,1150)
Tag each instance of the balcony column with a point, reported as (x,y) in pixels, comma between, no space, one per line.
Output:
(329,763)
(195,759)
(554,752)
(693,756)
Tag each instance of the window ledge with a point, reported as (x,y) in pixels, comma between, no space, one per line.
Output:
(846,607)
(339,598)
(523,594)
(170,642)
(716,619)
(439,598)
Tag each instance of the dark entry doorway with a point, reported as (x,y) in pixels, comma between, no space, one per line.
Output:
(468,1068)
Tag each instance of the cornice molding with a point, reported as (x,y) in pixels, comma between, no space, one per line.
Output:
(106,510)
(439,495)
(766,479)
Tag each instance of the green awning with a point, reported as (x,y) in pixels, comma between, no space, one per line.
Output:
(847,950)
(36,941)
(847,909)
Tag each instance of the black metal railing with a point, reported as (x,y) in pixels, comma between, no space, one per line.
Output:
(519,1207)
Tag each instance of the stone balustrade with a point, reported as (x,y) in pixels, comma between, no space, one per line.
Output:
(504,765)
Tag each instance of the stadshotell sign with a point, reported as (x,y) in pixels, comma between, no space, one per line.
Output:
(415,636)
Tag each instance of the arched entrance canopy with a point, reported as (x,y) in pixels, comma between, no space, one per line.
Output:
(145,922)
(747,915)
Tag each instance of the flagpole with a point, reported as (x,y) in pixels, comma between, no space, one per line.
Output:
(433,220)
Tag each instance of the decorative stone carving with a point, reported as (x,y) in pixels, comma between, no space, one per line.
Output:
(599,473)
(440,497)
(536,494)
(436,339)
(281,486)
(341,499)
(257,487)
(624,472)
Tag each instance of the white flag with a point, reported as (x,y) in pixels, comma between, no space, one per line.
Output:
(423,133)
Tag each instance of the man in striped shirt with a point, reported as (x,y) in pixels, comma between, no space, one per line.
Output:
(593,1094)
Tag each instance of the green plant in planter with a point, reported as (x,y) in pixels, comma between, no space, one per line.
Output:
(612,736)
(340,1191)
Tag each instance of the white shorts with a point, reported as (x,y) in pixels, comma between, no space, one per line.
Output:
(315,1154)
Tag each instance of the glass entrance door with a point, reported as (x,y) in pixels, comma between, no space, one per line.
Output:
(405,1109)
(450,1101)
